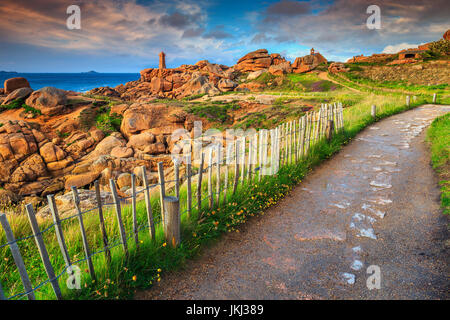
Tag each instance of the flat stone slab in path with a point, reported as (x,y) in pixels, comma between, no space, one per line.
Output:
(376,203)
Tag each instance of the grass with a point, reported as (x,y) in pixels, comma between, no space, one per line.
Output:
(20,103)
(215,112)
(438,136)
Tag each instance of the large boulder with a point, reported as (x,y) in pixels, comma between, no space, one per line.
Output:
(122,152)
(446,35)
(49,100)
(21,93)
(198,84)
(107,145)
(17,142)
(15,83)
(308,62)
(280,69)
(258,60)
(336,67)
(66,206)
(80,180)
(147,117)
(255,74)
(29,170)
(140,141)
(51,152)
(7,197)
(226,85)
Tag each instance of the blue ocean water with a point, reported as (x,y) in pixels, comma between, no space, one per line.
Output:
(79,82)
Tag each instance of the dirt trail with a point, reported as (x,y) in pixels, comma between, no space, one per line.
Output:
(324,76)
(374,203)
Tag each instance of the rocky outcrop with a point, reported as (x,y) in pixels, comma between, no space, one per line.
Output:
(336,67)
(280,69)
(376,57)
(15,83)
(107,145)
(446,35)
(226,85)
(258,60)
(17,94)
(308,62)
(153,118)
(198,84)
(255,74)
(49,100)
(66,205)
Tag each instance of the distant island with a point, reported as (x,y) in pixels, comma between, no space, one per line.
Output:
(89,72)
(8,72)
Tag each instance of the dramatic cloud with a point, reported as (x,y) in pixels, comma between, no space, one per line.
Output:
(135,31)
(288,8)
(178,20)
(120,27)
(217,33)
(341,26)
(398,47)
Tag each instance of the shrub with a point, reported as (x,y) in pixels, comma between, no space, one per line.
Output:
(441,47)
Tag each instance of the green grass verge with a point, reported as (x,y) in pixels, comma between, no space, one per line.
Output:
(438,136)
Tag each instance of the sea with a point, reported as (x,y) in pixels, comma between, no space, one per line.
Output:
(79,82)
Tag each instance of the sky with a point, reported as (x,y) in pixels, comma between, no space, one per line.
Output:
(127,36)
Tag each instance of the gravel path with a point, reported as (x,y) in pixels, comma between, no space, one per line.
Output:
(374,203)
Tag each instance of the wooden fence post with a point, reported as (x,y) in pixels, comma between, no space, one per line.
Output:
(87,252)
(373,111)
(329,130)
(133,208)
(199,184)
(122,233)
(276,152)
(302,135)
(59,231)
(2,295)
(228,156)
(218,174)
(148,203)
(434,97)
(18,260)
(272,151)
(176,173)
(189,186)
(250,158)
(260,153)
(296,133)
(210,192)
(162,190)
(244,146)
(408,101)
(172,227)
(236,165)
(335,117)
(286,150)
(102,221)
(318,125)
(43,251)
(255,156)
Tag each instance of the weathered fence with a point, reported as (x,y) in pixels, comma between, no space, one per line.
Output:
(252,157)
